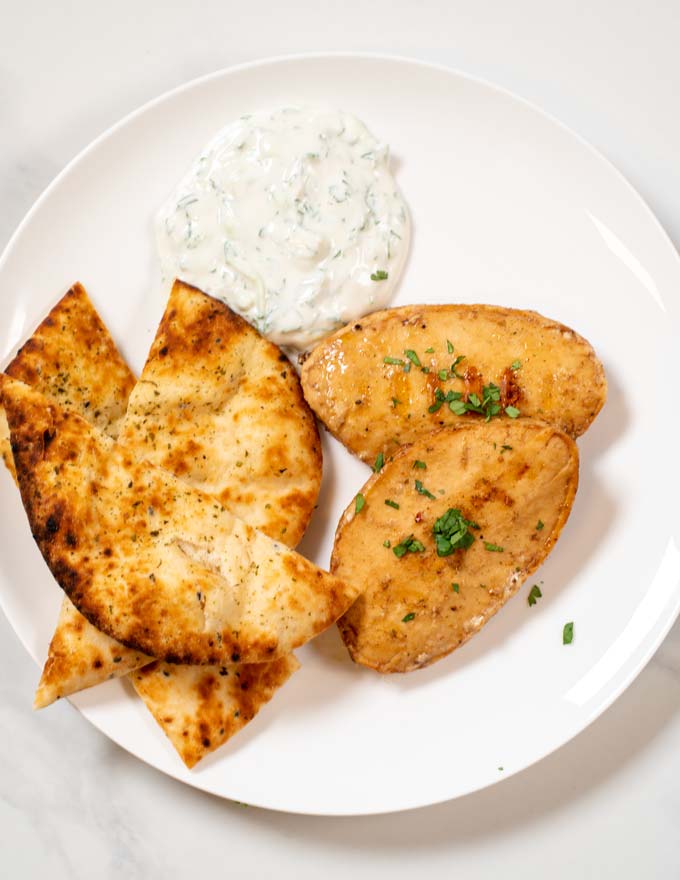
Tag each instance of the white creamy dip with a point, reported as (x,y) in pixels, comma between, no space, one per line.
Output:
(293,219)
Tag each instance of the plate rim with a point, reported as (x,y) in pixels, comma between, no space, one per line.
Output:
(286,58)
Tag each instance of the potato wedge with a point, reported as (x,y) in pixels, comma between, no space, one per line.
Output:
(372,406)
(426,592)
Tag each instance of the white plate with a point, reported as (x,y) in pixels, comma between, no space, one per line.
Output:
(509,207)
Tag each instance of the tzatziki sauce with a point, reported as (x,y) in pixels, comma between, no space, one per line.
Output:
(293,219)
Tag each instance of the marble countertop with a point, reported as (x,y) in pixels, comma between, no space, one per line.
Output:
(74,804)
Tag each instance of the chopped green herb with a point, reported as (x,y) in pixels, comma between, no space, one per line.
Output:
(568,633)
(379,463)
(398,362)
(451,532)
(534,595)
(457,407)
(505,446)
(419,464)
(540,525)
(440,399)
(429,350)
(443,375)
(407,545)
(390,503)
(407,367)
(408,618)
(379,275)
(493,548)
(424,369)
(455,588)
(461,357)
(359,502)
(421,490)
(511,411)
(412,356)
(387,544)
(449,347)
(515,365)
(395,401)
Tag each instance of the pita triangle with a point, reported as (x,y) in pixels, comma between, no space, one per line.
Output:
(72,359)
(221,407)
(200,707)
(156,564)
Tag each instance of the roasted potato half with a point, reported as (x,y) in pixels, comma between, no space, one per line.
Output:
(446,533)
(399,373)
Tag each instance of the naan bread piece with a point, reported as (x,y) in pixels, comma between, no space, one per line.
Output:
(152,562)
(221,407)
(200,707)
(432,579)
(81,656)
(72,359)
(381,382)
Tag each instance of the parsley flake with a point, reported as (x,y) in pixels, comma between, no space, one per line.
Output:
(568,633)
(493,548)
(390,503)
(515,365)
(540,525)
(505,446)
(408,618)
(379,275)
(461,357)
(419,464)
(407,545)
(359,503)
(449,347)
(397,362)
(455,588)
(421,490)
(395,401)
(451,532)
(379,463)
(534,595)
(413,357)
(511,411)
(387,544)
(429,350)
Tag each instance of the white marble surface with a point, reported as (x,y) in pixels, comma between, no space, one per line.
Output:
(75,805)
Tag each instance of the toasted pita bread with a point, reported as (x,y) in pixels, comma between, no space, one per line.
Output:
(152,562)
(221,407)
(81,656)
(201,707)
(268,473)
(72,359)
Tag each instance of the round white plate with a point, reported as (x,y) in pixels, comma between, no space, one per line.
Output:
(508,207)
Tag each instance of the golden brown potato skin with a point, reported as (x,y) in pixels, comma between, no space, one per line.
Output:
(508,492)
(352,390)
